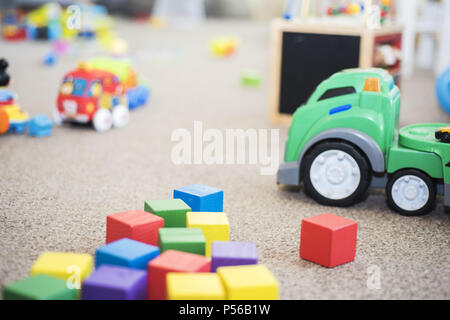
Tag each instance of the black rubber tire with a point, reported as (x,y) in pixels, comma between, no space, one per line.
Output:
(361,160)
(429,206)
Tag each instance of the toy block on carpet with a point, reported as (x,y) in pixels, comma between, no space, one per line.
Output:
(194,286)
(136,225)
(115,283)
(40,126)
(328,240)
(172,261)
(127,253)
(214,225)
(232,253)
(200,197)
(253,282)
(182,239)
(39,287)
(173,211)
(64,265)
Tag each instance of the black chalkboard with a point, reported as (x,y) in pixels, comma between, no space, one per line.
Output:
(307,59)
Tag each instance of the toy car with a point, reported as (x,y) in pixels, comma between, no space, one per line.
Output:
(136,87)
(92,95)
(346,138)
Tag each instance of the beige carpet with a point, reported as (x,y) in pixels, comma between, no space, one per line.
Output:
(56,192)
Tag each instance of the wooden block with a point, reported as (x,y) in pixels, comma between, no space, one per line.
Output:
(214,225)
(182,239)
(39,287)
(127,253)
(137,225)
(328,240)
(232,253)
(173,211)
(194,286)
(115,283)
(200,197)
(253,282)
(172,261)
(63,265)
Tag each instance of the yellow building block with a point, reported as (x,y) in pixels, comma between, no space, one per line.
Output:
(194,286)
(74,267)
(214,225)
(251,282)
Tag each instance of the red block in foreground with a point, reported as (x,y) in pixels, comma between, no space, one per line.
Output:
(328,240)
(172,261)
(137,225)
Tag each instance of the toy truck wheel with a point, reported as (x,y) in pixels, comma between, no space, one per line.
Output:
(102,120)
(121,116)
(411,193)
(57,119)
(336,174)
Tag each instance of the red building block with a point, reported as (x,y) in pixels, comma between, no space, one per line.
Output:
(172,261)
(137,225)
(328,240)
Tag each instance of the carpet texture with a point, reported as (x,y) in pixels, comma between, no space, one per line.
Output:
(56,192)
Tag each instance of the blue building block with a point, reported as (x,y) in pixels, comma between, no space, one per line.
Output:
(127,253)
(18,127)
(40,126)
(50,59)
(200,197)
(137,96)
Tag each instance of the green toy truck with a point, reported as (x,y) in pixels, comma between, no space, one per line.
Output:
(346,138)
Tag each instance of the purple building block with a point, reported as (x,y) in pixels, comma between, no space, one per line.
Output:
(231,253)
(115,283)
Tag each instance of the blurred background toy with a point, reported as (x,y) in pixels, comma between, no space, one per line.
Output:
(13,25)
(443,90)
(12,118)
(224,46)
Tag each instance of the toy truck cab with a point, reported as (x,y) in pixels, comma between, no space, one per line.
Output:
(91,95)
(346,138)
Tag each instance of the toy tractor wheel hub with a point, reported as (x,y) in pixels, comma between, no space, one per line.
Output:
(410,193)
(335,174)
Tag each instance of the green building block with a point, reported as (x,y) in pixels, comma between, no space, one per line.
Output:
(250,78)
(173,211)
(39,287)
(182,239)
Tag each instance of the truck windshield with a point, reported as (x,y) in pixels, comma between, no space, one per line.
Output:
(79,85)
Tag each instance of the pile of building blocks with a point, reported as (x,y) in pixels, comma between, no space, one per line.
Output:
(175,249)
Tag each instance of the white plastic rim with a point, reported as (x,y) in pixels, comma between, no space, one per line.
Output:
(121,116)
(57,119)
(335,174)
(102,120)
(410,193)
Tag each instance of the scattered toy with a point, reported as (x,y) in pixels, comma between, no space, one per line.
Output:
(189,240)
(328,240)
(232,253)
(136,225)
(115,283)
(200,197)
(173,211)
(214,226)
(443,90)
(40,126)
(250,78)
(343,148)
(224,46)
(194,286)
(127,253)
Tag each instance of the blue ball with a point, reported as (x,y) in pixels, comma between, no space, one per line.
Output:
(443,90)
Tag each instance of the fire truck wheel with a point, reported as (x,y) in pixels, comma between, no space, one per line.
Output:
(121,116)
(102,120)
(57,119)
